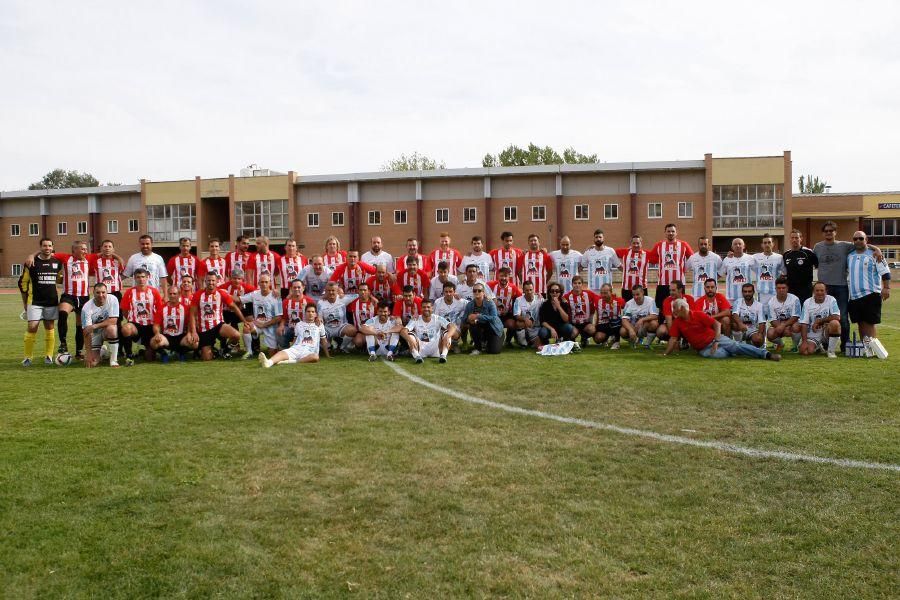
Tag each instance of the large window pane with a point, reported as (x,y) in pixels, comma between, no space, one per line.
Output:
(729,192)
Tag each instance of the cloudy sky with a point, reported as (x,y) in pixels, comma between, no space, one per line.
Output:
(169,90)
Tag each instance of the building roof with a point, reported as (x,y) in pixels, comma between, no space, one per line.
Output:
(832,194)
(104,189)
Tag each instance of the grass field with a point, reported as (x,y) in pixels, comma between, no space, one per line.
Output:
(344,478)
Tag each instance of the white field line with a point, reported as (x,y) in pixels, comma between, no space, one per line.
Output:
(660,437)
(888,326)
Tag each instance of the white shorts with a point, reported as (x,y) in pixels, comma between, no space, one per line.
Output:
(532,333)
(429,349)
(816,337)
(97,338)
(41,313)
(267,335)
(298,352)
(333,331)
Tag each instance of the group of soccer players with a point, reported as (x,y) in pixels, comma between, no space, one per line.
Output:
(286,308)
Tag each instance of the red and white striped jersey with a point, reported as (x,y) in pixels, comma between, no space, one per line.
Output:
(382,290)
(216,266)
(108,271)
(236,291)
(362,311)
(263,264)
(609,311)
(670,256)
(75,274)
(452,257)
(350,278)
(290,267)
(292,310)
(185,301)
(142,307)
(332,261)
(179,266)
(209,308)
(504,296)
(512,258)
(634,267)
(423,261)
(407,312)
(420,282)
(581,305)
(537,266)
(232,260)
(174,319)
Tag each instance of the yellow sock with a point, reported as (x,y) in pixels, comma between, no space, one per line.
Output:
(29,344)
(49,342)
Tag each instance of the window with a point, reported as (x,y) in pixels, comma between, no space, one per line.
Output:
(15,230)
(654,210)
(539,213)
(374,217)
(62,228)
(112,226)
(754,206)
(81,228)
(582,212)
(33,229)
(262,217)
(611,212)
(510,214)
(337,219)
(400,216)
(169,222)
(442,215)
(685,210)
(881,227)
(470,215)
(133,225)
(16,270)
(312,219)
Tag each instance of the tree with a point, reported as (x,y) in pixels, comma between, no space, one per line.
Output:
(812,185)
(413,162)
(514,156)
(58,179)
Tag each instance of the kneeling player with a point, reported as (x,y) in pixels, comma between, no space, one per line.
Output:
(141,306)
(527,313)
(783,311)
(333,310)
(207,318)
(99,322)
(820,323)
(382,333)
(428,335)
(175,337)
(747,321)
(309,339)
(609,317)
(640,319)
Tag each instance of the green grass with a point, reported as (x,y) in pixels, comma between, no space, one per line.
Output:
(343,479)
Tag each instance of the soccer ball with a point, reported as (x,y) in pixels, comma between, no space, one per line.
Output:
(64,359)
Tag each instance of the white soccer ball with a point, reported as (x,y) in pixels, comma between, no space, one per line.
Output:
(64,359)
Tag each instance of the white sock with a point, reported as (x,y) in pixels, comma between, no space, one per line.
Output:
(248,341)
(289,361)
(650,338)
(415,354)
(113,352)
(444,352)
(833,342)
(520,337)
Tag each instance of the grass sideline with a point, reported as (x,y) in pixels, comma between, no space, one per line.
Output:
(342,478)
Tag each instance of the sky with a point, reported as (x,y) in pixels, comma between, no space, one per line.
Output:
(170,90)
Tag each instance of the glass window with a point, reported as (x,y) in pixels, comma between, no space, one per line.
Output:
(582,212)
(611,211)
(539,213)
(33,229)
(312,219)
(337,219)
(685,210)
(654,210)
(15,230)
(890,227)
(81,227)
(879,227)
(374,217)
(261,217)
(170,222)
(400,216)
(112,226)
(470,215)
(133,225)
(16,270)
(62,228)
(442,215)
(510,214)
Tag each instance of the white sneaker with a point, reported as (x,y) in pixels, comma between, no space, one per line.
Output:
(475,352)
(372,357)
(248,355)
(831,355)
(615,346)
(264,361)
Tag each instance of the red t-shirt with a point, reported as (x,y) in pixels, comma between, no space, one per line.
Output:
(698,331)
(408,312)
(711,307)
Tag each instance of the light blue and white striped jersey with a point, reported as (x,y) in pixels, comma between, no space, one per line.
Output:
(864,274)
(768,268)
(264,307)
(751,315)
(737,270)
(530,309)
(812,311)
(634,312)
(599,266)
(703,268)
(783,311)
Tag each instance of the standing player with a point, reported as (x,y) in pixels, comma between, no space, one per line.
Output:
(609,317)
(715,305)
(738,269)
(482,261)
(581,315)
(870,285)
(40,300)
(106,267)
(799,262)
(309,339)
(566,263)
(527,311)
(315,277)
(446,253)
(670,254)
(505,294)
(262,262)
(142,308)
(214,264)
(76,269)
(175,334)
(783,312)
(537,266)
(151,262)
(351,273)
(207,323)
(183,263)
(333,311)
(239,258)
(266,316)
(599,262)
(412,250)
(436,286)
(99,321)
(509,256)
(289,266)
(748,323)
(292,310)
(428,336)
(769,267)
(360,311)
(703,265)
(377,256)
(333,255)
(634,266)
(639,318)
(820,323)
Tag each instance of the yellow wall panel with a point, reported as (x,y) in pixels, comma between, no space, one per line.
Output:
(261,188)
(734,171)
(870,205)
(170,192)
(214,188)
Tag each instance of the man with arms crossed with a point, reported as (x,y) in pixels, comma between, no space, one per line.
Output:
(670,254)
(870,284)
(599,262)
(703,265)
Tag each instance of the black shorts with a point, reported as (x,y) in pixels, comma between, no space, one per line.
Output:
(230,318)
(662,292)
(144,334)
(209,337)
(174,341)
(611,329)
(628,295)
(77,302)
(866,309)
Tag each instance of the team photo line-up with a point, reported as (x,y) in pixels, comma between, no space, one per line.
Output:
(287,308)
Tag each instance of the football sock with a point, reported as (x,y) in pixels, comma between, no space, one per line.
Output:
(248,341)
(289,361)
(520,337)
(49,341)
(127,346)
(113,351)
(79,336)
(797,338)
(63,326)
(370,344)
(444,352)
(393,341)
(650,338)
(29,344)
(833,341)
(415,354)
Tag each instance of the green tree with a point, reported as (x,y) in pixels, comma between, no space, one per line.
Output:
(413,162)
(58,179)
(812,185)
(515,156)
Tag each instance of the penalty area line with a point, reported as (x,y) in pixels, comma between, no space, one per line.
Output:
(643,433)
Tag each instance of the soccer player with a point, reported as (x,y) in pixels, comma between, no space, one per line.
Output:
(609,317)
(174,326)
(289,266)
(870,284)
(526,311)
(207,323)
(239,258)
(142,308)
(262,262)
(183,263)
(186,293)
(151,262)
(351,273)
(676,291)
(292,311)
(333,310)
(820,323)
(640,319)
(236,287)
(703,265)
(748,324)
(509,256)
(309,339)
(445,253)
(582,316)
(715,305)
(704,334)
(505,294)
(382,333)
(333,255)
(566,263)
(799,262)
(537,266)
(361,310)
(481,320)
(429,335)
(40,300)
(99,321)
(409,306)
(411,275)
(436,286)
(783,312)
(216,264)
(451,308)
(106,267)
(670,254)
(738,269)
(76,293)
(380,285)
(464,289)
(769,267)
(482,261)
(378,256)
(554,316)
(634,266)
(267,309)
(315,277)
(599,261)
(412,250)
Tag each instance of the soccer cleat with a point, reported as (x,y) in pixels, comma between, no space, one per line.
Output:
(831,355)
(63,349)
(247,355)
(615,346)
(48,360)
(182,357)
(26,362)
(475,352)
(576,347)
(372,357)
(390,357)
(442,359)
(114,365)
(79,355)
(129,362)
(420,360)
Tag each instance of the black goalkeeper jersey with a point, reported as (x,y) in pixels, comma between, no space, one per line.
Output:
(38,281)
